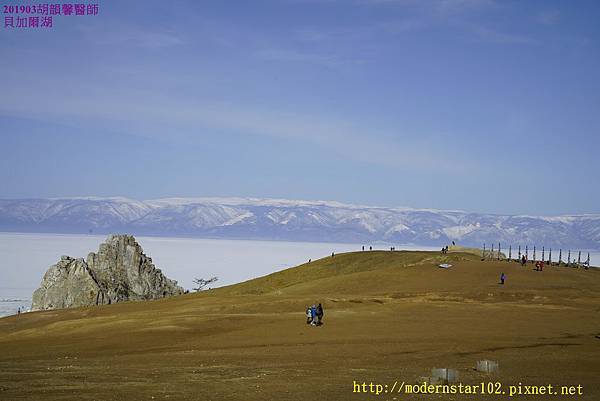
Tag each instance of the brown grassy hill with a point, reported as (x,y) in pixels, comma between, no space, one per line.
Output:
(388,316)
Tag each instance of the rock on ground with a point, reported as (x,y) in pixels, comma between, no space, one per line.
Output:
(119,271)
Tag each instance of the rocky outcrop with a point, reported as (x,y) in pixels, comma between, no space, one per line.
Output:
(119,271)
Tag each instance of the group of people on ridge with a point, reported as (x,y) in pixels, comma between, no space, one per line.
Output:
(314,315)
(539,264)
(445,249)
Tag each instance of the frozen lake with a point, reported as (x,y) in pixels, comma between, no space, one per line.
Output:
(26,257)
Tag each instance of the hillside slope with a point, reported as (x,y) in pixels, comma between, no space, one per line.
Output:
(389,316)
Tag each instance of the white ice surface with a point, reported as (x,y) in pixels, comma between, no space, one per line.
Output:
(24,258)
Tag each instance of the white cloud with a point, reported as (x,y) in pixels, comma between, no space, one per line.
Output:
(293,56)
(490,35)
(135,36)
(156,114)
(548,17)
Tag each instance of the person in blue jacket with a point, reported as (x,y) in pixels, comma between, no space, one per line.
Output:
(319,314)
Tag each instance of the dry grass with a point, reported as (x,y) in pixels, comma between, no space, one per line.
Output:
(388,316)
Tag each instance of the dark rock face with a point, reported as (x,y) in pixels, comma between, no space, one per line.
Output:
(119,271)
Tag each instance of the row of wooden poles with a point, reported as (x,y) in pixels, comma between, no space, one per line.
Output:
(569,262)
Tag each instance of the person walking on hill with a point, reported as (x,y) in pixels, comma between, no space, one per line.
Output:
(320,314)
(313,315)
(523,260)
(502,278)
(308,315)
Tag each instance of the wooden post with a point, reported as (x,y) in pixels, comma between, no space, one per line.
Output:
(492,252)
(543,254)
(527,252)
(509,253)
(519,253)
(588,260)
(483,256)
(579,259)
(550,257)
(498,251)
(569,259)
(533,254)
(559,256)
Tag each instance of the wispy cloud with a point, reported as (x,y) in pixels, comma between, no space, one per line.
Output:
(436,5)
(131,36)
(548,17)
(149,113)
(463,4)
(402,25)
(455,13)
(293,56)
(489,35)
(420,16)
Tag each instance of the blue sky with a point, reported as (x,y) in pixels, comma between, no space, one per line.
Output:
(464,104)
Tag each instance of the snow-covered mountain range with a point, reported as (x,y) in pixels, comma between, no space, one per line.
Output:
(279,219)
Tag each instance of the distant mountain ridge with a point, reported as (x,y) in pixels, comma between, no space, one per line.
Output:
(293,220)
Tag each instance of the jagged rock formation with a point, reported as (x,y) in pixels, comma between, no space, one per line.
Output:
(119,271)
